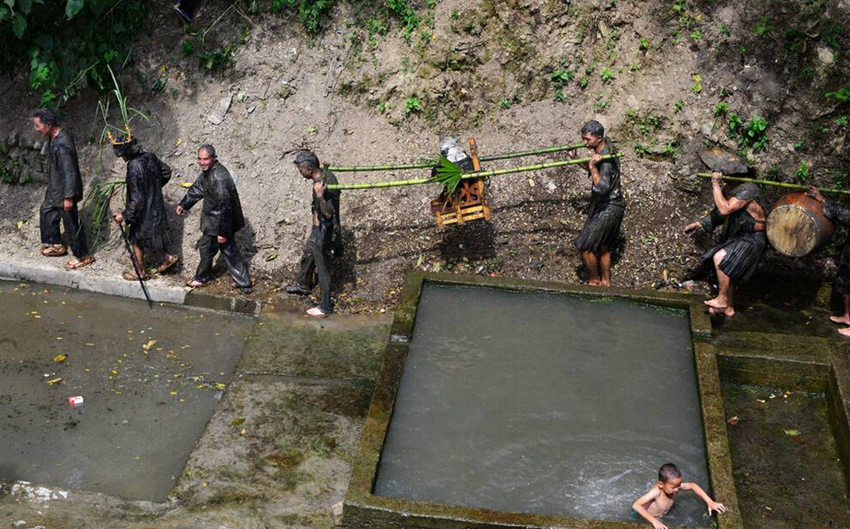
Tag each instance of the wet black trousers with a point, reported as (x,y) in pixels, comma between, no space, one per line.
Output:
(314,260)
(49,218)
(208,247)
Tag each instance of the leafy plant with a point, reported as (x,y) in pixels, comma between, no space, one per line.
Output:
(841,122)
(723,29)
(583,82)
(607,75)
(696,35)
(677,107)
(762,27)
(505,103)
(644,44)
(601,105)
(411,104)
(559,96)
(735,123)
(842,96)
(720,109)
(561,76)
(217,60)
(754,134)
(697,86)
(802,172)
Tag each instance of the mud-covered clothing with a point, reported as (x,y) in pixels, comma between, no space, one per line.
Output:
(145,206)
(743,236)
(840,215)
(323,238)
(63,181)
(63,171)
(221,216)
(607,206)
(222,212)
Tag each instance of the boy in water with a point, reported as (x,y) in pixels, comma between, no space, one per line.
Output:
(658,501)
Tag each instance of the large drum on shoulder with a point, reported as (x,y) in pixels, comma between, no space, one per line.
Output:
(797,226)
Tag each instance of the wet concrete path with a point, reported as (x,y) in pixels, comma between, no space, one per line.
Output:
(148,378)
(277,450)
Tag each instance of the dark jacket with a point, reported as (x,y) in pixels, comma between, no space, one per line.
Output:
(841,216)
(222,213)
(145,210)
(63,171)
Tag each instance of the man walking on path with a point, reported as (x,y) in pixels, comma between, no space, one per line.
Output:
(221,218)
(64,190)
(325,235)
(145,207)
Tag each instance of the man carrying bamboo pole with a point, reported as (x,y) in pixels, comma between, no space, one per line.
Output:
(325,235)
(64,190)
(742,243)
(607,206)
(145,207)
(841,283)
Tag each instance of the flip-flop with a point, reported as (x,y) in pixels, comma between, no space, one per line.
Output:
(75,263)
(130,275)
(194,283)
(54,250)
(167,264)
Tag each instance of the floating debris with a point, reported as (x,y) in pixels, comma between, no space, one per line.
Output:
(792,433)
(54,381)
(60,358)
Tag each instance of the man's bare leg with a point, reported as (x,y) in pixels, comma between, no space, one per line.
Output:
(722,304)
(844,318)
(605,266)
(592,265)
(140,257)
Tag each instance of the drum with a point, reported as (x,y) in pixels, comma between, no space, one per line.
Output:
(797,226)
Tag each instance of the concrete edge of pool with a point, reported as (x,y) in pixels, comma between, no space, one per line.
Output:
(363,509)
(177,295)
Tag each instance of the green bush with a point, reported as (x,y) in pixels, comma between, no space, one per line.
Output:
(67,44)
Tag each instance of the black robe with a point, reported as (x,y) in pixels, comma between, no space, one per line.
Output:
(840,215)
(607,206)
(145,209)
(744,246)
(63,172)
(222,213)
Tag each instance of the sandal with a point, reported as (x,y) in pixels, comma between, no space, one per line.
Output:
(75,263)
(194,283)
(54,250)
(130,275)
(170,261)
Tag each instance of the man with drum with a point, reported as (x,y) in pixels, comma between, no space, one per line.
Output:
(742,243)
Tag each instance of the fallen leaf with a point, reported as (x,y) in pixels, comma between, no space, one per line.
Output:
(271,257)
(733,420)
(60,358)
(19,224)
(148,345)
(54,381)
(237,422)
(792,433)
(187,185)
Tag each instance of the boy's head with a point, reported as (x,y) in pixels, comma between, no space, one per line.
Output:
(669,478)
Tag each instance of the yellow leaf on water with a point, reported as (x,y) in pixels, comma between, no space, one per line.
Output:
(173,393)
(187,185)
(792,433)
(54,381)
(148,345)
(220,385)
(60,358)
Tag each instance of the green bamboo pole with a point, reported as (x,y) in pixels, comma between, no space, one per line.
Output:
(776,184)
(481,174)
(432,163)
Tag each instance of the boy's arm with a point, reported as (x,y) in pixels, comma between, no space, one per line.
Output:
(712,505)
(639,508)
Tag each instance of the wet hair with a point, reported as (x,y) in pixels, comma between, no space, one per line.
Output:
(307,158)
(667,472)
(209,149)
(593,127)
(46,116)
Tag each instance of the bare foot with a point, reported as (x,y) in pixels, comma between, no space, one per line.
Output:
(605,283)
(593,282)
(717,303)
(723,311)
(844,332)
(840,319)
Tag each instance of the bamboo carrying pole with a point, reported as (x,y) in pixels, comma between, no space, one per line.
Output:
(776,184)
(432,163)
(461,175)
